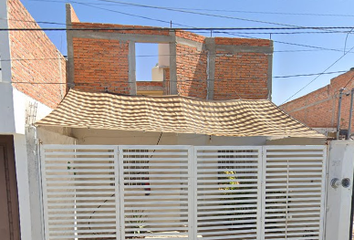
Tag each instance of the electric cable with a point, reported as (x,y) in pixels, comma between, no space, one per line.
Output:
(318,76)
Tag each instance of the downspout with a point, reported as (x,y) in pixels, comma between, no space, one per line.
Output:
(339,112)
(350,114)
(40,187)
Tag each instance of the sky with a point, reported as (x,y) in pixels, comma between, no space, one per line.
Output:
(295,53)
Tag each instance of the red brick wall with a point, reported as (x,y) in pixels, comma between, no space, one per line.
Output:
(320,108)
(243,42)
(102,64)
(191,66)
(191,36)
(34,59)
(241,75)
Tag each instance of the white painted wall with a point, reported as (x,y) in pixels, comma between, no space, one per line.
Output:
(157,74)
(0,71)
(23,185)
(164,55)
(21,104)
(4,44)
(341,164)
(7,117)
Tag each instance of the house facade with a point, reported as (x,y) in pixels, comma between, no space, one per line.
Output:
(218,161)
(319,109)
(29,62)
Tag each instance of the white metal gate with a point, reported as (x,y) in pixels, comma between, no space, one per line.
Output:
(184,192)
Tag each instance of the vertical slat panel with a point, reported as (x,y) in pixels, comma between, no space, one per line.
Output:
(192,195)
(294,192)
(117,192)
(228,192)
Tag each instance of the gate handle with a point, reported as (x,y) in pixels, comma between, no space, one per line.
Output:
(335,183)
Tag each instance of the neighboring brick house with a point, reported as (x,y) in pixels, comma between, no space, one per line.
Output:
(319,109)
(32,83)
(103,59)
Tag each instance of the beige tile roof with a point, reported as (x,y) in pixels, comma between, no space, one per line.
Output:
(175,114)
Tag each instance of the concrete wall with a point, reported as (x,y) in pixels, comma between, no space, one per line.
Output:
(320,108)
(208,68)
(109,137)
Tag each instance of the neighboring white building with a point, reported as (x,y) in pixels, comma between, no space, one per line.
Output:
(23,100)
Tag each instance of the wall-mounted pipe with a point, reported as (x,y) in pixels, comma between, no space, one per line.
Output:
(350,114)
(339,111)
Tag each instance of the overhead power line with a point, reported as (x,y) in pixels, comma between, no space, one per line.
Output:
(210,29)
(159,29)
(309,74)
(28,21)
(247,12)
(196,80)
(270,13)
(179,28)
(199,13)
(318,75)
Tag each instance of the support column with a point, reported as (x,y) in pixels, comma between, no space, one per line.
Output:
(5,51)
(70,47)
(210,46)
(132,68)
(270,73)
(173,65)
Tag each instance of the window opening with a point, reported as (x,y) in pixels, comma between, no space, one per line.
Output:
(146,59)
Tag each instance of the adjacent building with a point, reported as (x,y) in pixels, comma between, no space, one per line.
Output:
(319,109)
(31,77)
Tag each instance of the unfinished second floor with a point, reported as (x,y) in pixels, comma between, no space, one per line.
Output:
(102,58)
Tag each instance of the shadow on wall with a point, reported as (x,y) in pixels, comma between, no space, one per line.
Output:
(191,67)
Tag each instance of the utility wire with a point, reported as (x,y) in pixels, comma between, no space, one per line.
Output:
(191,28)
(318,76)
(131,14)
(308,74)
(269,13)
(198,13)
(161,29)
(194,80)
(211,29)
(349,81)
(240,11)
(28,21)
(177,10)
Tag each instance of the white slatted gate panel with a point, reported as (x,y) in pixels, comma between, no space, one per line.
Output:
(183,192)
(294,192)
(155,191)
(228,192)
(79,187)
